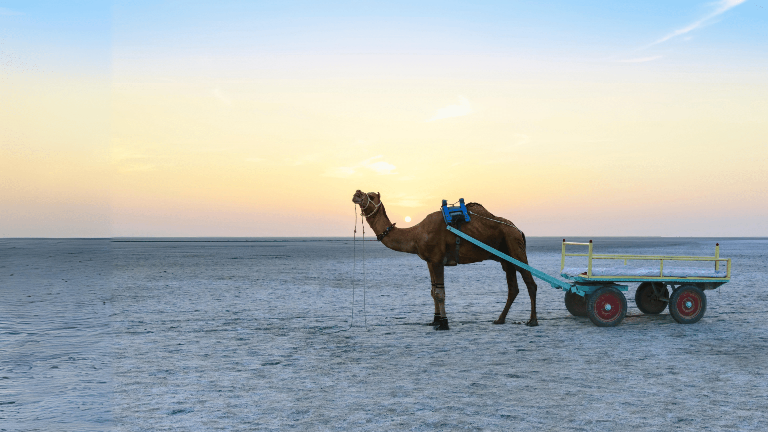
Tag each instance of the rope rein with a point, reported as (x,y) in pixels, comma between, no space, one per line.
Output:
(354,268)
(354,273)
(365,315)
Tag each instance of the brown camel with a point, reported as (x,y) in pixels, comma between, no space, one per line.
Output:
(432,242)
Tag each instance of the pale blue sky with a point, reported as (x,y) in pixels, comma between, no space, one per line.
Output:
(87,34)
(65,36)
(594,29)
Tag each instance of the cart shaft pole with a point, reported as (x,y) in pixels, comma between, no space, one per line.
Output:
(556,283)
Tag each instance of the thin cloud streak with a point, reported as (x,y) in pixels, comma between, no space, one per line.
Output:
(641,60)
(373,164)
(461,109)
(218,94)
(722,7)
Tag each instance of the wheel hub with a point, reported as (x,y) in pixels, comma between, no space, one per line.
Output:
(688,304)
(608,306)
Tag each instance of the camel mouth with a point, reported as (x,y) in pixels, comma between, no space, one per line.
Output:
(357,198)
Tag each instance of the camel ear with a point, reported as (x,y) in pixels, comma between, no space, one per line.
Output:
(378,195)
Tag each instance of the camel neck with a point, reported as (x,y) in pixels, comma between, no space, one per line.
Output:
(399,239)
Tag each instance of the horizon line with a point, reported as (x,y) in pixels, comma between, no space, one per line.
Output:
(242,239)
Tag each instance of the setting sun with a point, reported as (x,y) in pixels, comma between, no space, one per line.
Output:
(407,218)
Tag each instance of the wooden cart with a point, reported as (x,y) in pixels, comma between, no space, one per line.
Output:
(599,296)
(598,292)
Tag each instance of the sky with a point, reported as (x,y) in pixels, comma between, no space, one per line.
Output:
(256,119)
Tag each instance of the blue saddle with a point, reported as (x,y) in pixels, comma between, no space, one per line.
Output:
(455,215)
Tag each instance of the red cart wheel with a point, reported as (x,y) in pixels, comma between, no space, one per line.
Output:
(648,301)
(576,304)
(606,306)
(687,304)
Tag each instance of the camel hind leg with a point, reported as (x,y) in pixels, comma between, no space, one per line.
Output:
(516,245)
(512,290)
(531,285)
(433,280)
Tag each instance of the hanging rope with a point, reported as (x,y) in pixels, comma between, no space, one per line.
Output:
(354,273)
(354,267)
(365,315)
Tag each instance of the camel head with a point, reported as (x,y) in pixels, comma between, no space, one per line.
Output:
(370,201)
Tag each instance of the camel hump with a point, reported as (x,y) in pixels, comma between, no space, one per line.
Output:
(478,208)
(476,205)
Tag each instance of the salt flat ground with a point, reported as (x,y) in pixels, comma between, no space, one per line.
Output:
(259,335)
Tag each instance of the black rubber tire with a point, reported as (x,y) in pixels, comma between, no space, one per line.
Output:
(576,304)
(647,300)
(687,304)
(606,306)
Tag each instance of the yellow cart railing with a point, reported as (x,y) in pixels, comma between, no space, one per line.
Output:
(661,258)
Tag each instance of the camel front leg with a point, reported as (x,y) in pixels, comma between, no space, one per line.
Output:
(438,272)
(436,318)
(531,285)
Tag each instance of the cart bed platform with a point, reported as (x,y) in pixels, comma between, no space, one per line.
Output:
(633,273)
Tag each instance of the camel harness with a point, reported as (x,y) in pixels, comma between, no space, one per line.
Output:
(375,208)
(386,231)
(454,216)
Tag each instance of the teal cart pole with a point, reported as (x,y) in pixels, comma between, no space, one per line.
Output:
(556,283)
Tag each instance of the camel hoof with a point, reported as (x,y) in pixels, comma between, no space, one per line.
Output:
(532,323)
(443,324)
(435,320)
(499,321)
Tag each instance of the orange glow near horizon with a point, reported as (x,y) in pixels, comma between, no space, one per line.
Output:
(288,163)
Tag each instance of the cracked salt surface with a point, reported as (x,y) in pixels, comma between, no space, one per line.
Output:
(249,336)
